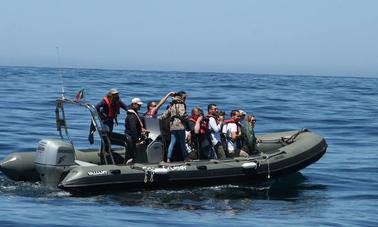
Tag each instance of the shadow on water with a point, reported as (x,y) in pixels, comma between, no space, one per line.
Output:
(219,198)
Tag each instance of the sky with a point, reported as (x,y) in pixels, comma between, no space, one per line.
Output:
(291,37)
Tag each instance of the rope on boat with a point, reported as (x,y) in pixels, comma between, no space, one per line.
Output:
(148,170)
(151,171)
(285,140)
(292,138)
(268,157)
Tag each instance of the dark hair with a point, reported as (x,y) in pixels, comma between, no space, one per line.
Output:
(221,113)
(210,106)
(233,112)
(150,103)
(180,93)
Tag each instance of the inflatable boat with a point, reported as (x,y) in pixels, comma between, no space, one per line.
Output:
(57,163)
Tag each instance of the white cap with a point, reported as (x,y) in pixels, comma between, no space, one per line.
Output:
(242,112)
(113,91)
(137,100)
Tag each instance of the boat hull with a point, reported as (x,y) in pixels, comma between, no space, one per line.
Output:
(20,166)
(281,153)
(307,149)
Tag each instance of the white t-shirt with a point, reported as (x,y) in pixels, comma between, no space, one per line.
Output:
(231,127)
(215,131)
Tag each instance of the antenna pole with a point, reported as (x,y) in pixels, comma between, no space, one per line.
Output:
(60,70)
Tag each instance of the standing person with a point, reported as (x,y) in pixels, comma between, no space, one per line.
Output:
(133,127)
(200,135)
(233,134)
(242,117)
(152,107)
(249,137)
(215,127)
(178,117)
(242,123)
(108,110)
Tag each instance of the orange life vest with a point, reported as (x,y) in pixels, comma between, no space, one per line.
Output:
(112,112)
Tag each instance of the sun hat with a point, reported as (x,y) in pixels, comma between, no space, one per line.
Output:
(113,91)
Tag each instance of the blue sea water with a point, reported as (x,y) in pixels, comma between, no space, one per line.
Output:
(341,189)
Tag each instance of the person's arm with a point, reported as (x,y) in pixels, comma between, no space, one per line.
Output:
(123,105)
(197,126)
(100,109)
(213,126)
(163,100)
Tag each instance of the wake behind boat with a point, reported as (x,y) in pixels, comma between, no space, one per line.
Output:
(57,163)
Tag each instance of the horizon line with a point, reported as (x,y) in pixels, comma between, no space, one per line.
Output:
(182,71)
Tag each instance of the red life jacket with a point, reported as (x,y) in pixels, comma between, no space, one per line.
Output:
(203,125)
(112,112)
(151,113)
(193,119)
(209,115)
(226,121)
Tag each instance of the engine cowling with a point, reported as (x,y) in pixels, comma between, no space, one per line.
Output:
(53,157)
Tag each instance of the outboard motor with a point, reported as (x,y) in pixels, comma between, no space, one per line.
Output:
(52,158)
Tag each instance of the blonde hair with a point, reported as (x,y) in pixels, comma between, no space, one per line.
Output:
(249,118)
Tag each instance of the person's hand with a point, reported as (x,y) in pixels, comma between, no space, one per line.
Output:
(220,119)
(199,119)
(258,140)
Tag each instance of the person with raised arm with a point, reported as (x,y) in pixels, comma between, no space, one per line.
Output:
(153,107)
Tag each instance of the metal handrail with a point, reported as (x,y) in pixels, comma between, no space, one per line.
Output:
(61,124)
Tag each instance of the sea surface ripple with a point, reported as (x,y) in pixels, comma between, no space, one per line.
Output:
(338,190)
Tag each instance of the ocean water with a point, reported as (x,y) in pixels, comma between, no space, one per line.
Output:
(341,189)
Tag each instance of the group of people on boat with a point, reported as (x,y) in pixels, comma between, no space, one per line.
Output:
(197,136)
